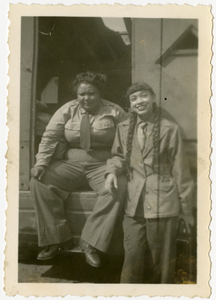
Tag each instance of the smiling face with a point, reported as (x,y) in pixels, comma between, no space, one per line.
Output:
(142,103)
(88,97)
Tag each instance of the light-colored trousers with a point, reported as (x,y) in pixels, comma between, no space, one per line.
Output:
(60,179)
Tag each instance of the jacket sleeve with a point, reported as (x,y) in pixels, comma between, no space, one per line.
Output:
(51,137)
(116,164)
(180,171)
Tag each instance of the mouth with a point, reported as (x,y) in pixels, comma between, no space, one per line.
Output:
(87,103)
(142,107)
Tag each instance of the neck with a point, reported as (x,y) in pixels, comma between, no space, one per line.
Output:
(95,110)
(146,117)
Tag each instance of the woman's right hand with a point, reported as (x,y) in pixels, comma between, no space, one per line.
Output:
(38,171)
(111,182)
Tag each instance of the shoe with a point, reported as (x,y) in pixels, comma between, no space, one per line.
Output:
(92,257)
(67,245)
(49,252)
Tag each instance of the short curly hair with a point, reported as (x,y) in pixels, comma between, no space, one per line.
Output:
(96,79)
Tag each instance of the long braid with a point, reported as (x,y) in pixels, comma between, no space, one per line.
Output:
(133,118)
(156,132)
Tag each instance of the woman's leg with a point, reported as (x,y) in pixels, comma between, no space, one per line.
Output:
(161,236)
(48,194)
(135,246)
(168,259)
(100,226)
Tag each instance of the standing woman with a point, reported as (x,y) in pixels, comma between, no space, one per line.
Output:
(149,148)
(86,126)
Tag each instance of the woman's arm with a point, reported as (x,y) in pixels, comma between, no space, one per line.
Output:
(51,137)
(115,165)
(182,176)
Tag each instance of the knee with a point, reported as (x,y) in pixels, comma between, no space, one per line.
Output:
(33,183)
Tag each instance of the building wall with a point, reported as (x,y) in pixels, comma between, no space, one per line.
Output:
(26,70)
(178,79)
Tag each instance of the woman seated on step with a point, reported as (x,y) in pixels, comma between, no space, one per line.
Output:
(87,125)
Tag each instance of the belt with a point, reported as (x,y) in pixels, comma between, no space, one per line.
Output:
(91,155)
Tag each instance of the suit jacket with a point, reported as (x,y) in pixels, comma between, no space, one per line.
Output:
(168,188)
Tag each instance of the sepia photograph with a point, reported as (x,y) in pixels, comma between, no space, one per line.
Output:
(108,160)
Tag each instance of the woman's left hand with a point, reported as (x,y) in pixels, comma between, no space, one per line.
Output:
(188,221)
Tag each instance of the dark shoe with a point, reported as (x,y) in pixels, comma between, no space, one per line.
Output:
(49,252)
(67,245)
(92,257)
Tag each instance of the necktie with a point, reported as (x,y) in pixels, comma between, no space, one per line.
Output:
(85,139)
(141,132)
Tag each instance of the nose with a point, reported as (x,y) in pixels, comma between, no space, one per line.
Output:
(86,97)
(139,100)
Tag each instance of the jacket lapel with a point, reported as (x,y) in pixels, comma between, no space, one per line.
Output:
(136,155)
(163,132)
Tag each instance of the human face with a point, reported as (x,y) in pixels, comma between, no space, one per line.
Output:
(142,103)
(88,97)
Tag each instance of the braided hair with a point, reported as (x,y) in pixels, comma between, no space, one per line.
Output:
(156,135)
(133,118)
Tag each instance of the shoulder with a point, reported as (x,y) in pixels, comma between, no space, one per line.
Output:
(111,105)
(170,125)
(124,125)
(68,105)
(125,122)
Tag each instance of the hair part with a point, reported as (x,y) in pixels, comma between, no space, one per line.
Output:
(96,79)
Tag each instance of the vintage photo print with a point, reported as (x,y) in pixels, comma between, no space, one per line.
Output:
(108,150)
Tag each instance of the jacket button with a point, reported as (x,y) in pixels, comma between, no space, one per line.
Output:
(149,207)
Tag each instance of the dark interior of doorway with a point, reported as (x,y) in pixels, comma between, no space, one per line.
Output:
(70,45)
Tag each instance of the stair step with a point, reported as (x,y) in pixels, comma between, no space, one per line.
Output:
(78,207)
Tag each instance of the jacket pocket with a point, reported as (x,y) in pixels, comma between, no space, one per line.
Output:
(72,126)
(163,184)
(103,124)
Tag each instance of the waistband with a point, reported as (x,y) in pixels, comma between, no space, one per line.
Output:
(91,155)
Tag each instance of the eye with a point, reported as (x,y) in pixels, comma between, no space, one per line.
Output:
(144,95)
(132,99)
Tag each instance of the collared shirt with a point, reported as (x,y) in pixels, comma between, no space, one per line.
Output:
(148,129)
(66,123)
